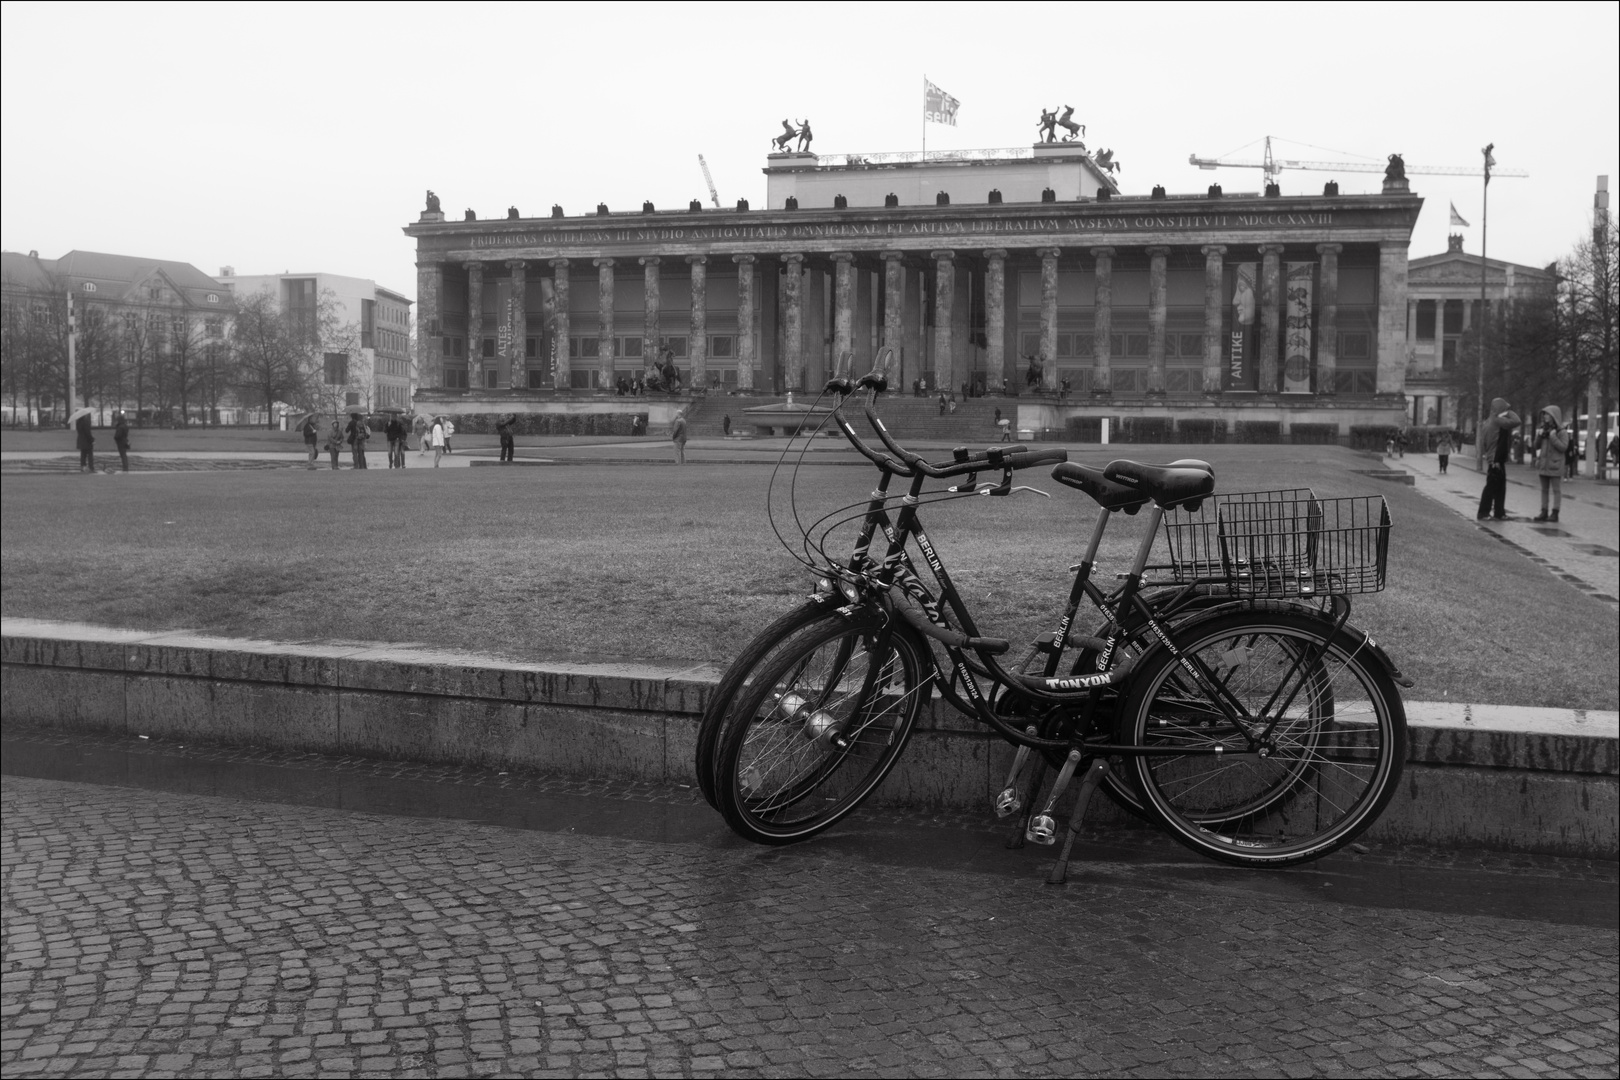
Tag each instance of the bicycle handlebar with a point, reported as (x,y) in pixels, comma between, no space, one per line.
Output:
(1011,458)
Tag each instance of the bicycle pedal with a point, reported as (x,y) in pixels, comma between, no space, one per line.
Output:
(1042,830)
(1008,803)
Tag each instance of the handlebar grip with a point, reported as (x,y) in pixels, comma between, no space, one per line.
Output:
(1025,458)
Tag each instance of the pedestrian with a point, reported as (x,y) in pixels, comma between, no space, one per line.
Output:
(503,427)
(1004,425)
(1443,450)
(725,425)
(1400,443)
(943,402)
(312,437)
(121,437)
(420,425)
(1551,443)
(436,438)
(86,441)
(395,431)
(449,430)
(356,435)
(1572,454)
(1493,442)
(677,436)
(334,442)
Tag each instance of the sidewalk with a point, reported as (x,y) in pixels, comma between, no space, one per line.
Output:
(1582,547)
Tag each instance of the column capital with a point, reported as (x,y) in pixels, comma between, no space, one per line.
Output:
(1393,245)
(995,253)
(1158,251)
(942,255)
(1270,249)
(1213,249)
(792,256)
(697,260)
(648,260)
(558,264)
(1049,252)
(474,266)
(1329,249)
(1102,252)
(743,260)
(602,262)
(517,264)
(891,256)
(841,256)
(430,264)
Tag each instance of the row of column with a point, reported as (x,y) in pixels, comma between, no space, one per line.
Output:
(1391,335)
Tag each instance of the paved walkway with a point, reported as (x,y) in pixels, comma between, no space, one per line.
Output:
(1583,546)
(164,933)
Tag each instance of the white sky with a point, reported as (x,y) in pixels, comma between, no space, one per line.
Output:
(274,137)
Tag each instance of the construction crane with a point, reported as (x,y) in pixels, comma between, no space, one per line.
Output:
(713,194)
(1271,166)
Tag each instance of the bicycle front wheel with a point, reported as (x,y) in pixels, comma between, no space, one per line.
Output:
(1311,731)
(820,729)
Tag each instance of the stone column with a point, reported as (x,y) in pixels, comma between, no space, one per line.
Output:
(1411,319)
(430,337)
(1391,317)
(1102,333)
(944,294)
(649,314)
(894,303)
(843,310)
(1049,298)
(517,326)
(475,325)
(604,323)
(1327,318)
(1214,294)
(995,319)
(1157,301)
(793,320)
(560,335)
(745,321)
(1270,316)
(697,336)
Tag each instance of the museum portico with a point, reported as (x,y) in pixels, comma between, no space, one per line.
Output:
(1276,304)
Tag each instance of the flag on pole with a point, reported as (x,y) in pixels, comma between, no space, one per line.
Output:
(938,106)
(1456,218)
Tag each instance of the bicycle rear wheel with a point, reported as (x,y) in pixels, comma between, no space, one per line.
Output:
(1311,763)
(820,728)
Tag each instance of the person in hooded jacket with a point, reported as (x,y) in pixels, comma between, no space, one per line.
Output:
(1551,442)
(1492,444)
(86,441)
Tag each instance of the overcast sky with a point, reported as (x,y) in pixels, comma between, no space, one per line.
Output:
(274,137)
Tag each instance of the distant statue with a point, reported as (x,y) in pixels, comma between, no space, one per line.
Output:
(511,213)
(1396,170)
(1066,122)
(804,136)
(432,202)
(1105,161)
(789,133)
(1048,126)
(469,215)
(1033,376)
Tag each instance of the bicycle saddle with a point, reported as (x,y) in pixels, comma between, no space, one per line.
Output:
(1170,486)
(1108,495)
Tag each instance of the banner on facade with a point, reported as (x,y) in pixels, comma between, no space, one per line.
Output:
(1297,296)
(1240,348)
(938,106)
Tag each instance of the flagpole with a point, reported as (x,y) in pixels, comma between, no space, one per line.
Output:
(1484,232)
(925,116)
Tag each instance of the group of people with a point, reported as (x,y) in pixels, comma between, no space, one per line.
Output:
(354,436)
(84,438)
(1553,447)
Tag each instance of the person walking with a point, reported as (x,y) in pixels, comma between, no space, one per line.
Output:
(312,435)
(121,437)
(356,435)
(1003,425)
(421,426)
(435,437)
(503,428)
(334,442)
(1572,453)
(394,432)
(85,439)
(677,436)
(449,430)
(1492,444)
(725,425)
(1551,442)
(1443,449)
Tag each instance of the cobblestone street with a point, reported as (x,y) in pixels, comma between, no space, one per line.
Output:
(149,933)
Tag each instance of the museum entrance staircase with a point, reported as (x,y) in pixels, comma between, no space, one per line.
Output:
(907,418)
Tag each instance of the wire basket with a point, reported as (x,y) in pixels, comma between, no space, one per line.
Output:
(1193,536)
(1299,547)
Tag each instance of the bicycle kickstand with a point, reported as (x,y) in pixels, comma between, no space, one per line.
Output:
(1088,788)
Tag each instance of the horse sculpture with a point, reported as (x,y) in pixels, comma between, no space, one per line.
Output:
(789,133)
(1105,161)
(1066,122)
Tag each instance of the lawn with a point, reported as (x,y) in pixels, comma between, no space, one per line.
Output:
(631,563)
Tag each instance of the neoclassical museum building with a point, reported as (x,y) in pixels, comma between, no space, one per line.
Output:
(1023,272)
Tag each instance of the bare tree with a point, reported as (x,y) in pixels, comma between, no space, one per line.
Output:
(270,364)
(1592,273)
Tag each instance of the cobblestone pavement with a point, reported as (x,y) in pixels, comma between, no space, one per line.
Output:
(149,933)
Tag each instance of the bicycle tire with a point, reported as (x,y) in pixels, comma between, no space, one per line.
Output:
(750,661)
(1331,762)
(818,730)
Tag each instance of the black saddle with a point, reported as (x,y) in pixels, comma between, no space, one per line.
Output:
(1179,485)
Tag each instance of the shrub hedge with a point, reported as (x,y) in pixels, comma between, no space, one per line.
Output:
(1257,431)
(1313,434)
(1201,430)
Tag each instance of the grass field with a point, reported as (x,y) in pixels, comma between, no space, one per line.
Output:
(654,563)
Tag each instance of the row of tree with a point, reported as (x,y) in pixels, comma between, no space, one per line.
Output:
(170,365)
(1556,348)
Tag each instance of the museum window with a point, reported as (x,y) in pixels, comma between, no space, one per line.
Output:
(487,348)
(531,347)
(455,376)
(1453,321)
(351,399)
(492,379)
(1425,320)
(677,345)
(722,346)
(537,379)
(1448,355)
(336,368)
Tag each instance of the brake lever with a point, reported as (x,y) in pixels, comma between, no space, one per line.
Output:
(969,483)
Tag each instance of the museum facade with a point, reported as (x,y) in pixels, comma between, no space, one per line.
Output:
(1019,272)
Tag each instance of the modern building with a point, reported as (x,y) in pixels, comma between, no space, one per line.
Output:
(135,317)
(363,330)
(1022,272)
(1442,305)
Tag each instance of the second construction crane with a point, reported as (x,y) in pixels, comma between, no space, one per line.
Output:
(1271,166)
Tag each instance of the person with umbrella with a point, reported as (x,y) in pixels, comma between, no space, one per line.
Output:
(395,430)
(357,433)
(121,437)
(503,427)
(312,433)
(85,438)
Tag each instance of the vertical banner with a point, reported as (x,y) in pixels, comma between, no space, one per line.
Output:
(1241,344)
(1298,289)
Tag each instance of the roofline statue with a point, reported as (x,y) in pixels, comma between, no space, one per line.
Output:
(789,133)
